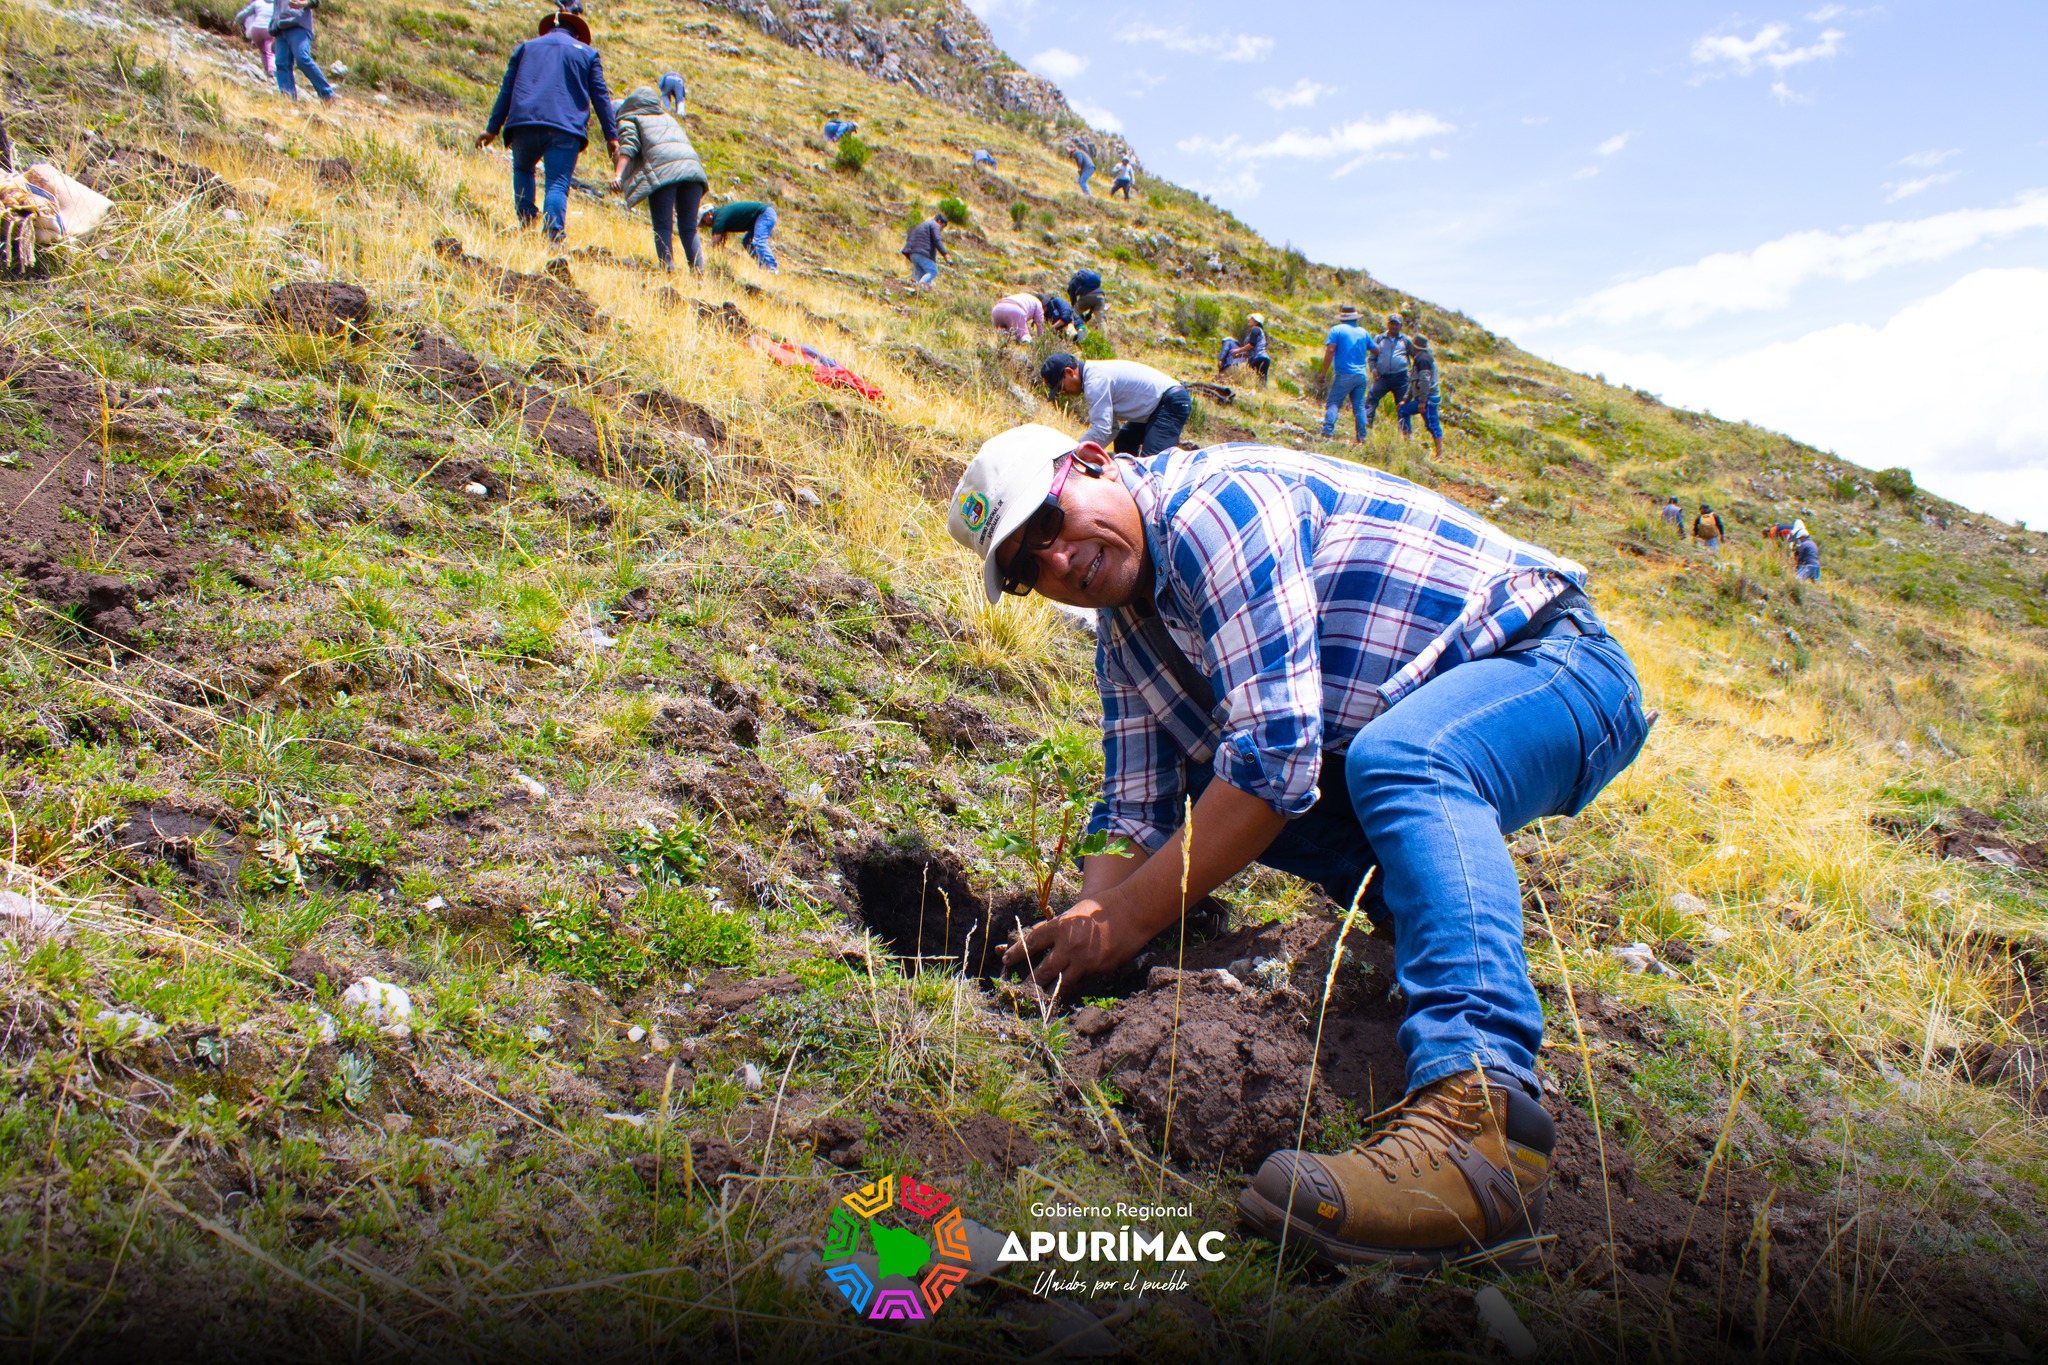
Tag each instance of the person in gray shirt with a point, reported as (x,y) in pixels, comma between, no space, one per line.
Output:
(1133,409)
(1389,363)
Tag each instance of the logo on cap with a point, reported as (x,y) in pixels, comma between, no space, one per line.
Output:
(974,510)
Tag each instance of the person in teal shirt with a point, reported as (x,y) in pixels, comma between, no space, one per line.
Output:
(756,221)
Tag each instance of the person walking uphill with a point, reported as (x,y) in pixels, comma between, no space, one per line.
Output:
(552,85)
(749,217)
(1425,394)
(1132,408)
(1343,672)
(1347,352)
(1084,163)
(657,164)
(923,246)
(291,29)
(254,21)
(1706,529)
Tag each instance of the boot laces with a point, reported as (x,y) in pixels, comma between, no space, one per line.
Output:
(1422,1129)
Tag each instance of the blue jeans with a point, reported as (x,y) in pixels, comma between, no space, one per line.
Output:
(1807,573)
(1435,784)
(295,49)
(555,152)
(757,240)
(1382,385)
(1087,171)
(1345,388)
(923,269)
(1431,419)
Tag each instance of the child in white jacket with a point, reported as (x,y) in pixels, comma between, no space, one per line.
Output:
(255,21)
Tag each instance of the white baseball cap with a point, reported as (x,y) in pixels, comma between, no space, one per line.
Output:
(1005,483)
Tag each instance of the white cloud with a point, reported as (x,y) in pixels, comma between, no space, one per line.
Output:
(1058,64)
(1766,48)
(1300,95)
(1224,47)
(1614,144)
(1360,138)
(1922,161)
(1765,276)
(1535,120)
(1785,94)
(1585,172)
(989,9)
(1095,116)
(1906,189)
(1838,388)
(1825,13)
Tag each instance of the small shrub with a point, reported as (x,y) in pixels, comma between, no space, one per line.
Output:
(1046,219)
(688,931)
(953,210)
(573,937)
(853,154)
(1896,482)
(1095,346)
(1195,317)
(1019,211)
(673,855)
(1843,489)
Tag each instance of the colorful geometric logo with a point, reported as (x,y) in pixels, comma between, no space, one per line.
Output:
(974,510)
(925,1270)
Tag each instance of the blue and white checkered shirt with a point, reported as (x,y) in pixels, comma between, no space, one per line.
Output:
(1313,594)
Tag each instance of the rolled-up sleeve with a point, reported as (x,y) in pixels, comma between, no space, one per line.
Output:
(1099,392)
(1245,538)
(1143,771)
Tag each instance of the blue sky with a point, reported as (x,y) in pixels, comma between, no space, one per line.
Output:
(1829,219)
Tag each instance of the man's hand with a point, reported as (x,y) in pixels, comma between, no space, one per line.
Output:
(612,147)
(484,139)
(1087,940)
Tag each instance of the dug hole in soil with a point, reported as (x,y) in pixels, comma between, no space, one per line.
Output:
(917,900)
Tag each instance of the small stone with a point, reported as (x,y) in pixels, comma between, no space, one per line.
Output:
(476,490)
(397,1123)
(325,1030)
(435,903)
(1498,1317)
(128,1026)
(384,1006)
(535,790)
(1091,1020)
(635,1034)
(1639,958)
(806,497)
(1685,903)
(750,1079)
(539,1033)
(233,215)
(1717,936)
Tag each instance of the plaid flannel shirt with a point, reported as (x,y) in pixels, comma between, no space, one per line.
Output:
(1313,594)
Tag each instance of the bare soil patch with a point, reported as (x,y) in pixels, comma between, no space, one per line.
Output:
(917,900)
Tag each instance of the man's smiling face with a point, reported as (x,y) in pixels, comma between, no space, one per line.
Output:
(1098,557)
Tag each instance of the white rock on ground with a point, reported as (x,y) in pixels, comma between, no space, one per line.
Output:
(385,1007)
(31,921)
(1685,903)
(129,1026)
(1501,1322)
(1638,958)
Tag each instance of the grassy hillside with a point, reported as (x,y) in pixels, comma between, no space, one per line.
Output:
(537,646)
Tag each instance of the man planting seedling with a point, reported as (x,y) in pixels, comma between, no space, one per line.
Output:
(1339,671)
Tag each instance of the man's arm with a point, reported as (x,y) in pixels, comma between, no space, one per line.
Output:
(1108,928)
(503,107)
(1330,355)
(601,99)
(1099,394)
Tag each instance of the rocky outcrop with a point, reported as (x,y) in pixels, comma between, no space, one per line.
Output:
(941,50)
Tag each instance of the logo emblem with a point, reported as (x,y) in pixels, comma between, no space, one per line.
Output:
(921,1252)
(974,511)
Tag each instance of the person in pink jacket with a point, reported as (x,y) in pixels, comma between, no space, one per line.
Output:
(1021,315)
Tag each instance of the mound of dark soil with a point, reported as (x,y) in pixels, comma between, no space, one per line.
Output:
(1233,1082)
(487,392)
(1690,1257)
(325,308)
(917,900)
(61,493)
(934,1143)
(558,296)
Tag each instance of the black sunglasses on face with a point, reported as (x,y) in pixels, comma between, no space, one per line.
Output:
(1040,531)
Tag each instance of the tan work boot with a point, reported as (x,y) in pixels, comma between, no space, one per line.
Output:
(1461,1171)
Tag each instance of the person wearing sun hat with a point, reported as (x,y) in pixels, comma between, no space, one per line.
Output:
(1347,352)
(1354,680)
(1250,351)
(552,85)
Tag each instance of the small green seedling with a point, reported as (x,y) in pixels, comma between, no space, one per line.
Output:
(1062,787)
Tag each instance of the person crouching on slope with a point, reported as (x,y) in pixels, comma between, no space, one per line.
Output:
(1020,314)
(657,164)
(1344,672)
(551,85)
(1132,408)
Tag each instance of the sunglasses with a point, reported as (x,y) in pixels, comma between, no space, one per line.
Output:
(1041,529)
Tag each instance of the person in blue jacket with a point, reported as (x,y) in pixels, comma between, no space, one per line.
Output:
(552,85)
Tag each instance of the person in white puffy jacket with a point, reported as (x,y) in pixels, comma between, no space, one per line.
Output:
(254,19)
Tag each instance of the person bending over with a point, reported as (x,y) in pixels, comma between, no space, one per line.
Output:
(1342,672)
